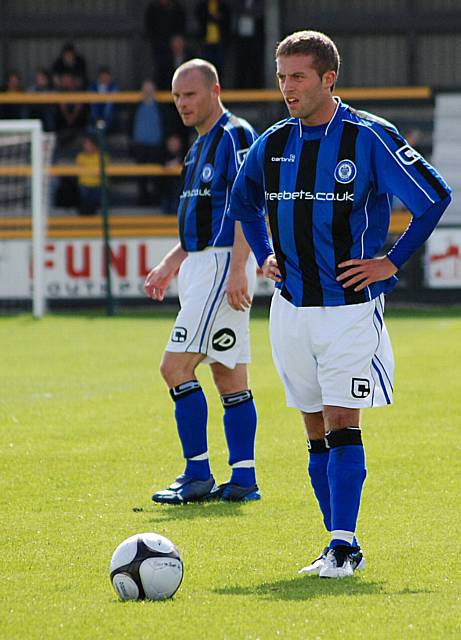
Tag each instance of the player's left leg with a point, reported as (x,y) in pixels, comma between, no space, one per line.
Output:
(240,421)
(346,474)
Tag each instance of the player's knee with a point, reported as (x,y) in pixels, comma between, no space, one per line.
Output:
(340,417)
(229,380)
(175,373)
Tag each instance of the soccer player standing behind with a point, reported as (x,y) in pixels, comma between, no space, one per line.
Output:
(325,177)
(215,271)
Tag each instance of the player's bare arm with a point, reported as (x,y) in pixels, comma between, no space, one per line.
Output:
(364,272)
(160,276)
(271,269)
(237,284)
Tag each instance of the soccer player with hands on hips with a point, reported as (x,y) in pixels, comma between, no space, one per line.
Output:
(216,282)
(325,177)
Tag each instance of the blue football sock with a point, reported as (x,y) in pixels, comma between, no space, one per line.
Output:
(317,468)
(346,475)
(240,420)
(191,413)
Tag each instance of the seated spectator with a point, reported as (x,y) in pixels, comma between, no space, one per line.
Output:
(69,62)
(71,117)
(90,184)
(12,84)
(148,142)
(105,110)
(44,112)
(171,185)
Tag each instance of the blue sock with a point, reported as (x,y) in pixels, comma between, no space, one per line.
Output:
(346,475)
(317,468)
(240,428)
(191,413)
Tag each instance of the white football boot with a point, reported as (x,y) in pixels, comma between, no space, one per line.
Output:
(341,562)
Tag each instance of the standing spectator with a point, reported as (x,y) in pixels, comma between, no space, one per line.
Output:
(171,185)
(105,110)
(148,142)
(71,117)
(248,28)
(69,62)
(12,84)
(177,53)
(213,20)
(162,20)
(89,184)
(44,112)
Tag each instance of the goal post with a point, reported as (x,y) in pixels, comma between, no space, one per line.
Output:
(23,195)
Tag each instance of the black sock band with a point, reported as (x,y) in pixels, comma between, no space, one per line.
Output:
(230,400)
(344,437)
(317,446)
(185,389)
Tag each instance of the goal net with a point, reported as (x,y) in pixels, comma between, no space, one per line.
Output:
(25,154)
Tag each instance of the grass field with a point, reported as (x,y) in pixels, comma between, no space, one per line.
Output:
(86,434)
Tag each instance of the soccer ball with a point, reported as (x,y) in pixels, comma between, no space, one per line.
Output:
(146,566)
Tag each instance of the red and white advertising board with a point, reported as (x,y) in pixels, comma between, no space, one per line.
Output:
(74,268)
(443,259)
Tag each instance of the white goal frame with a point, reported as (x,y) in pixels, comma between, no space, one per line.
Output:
(34,127)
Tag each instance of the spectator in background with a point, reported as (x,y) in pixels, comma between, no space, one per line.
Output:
(162,20)
(69,62)
(44,112)
(171,185)
(71,117)
(105,110)
(177,53)
(248,30)
(148,136)
(213,21)
(89,184)
(12,84)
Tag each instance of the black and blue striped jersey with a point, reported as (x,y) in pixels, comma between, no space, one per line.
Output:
(209,171)
(327,192)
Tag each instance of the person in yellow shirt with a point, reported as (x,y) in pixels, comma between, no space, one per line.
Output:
(89,183)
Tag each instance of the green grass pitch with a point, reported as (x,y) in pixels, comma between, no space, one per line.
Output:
(86,434)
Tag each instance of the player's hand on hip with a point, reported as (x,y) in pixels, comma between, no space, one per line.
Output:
(237,290)
(271,269)
(361,273)
(156,282)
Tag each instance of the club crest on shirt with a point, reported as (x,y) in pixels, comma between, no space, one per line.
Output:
(345,171)
(207,172)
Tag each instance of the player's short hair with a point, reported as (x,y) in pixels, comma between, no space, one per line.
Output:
(311,43)
(207,70)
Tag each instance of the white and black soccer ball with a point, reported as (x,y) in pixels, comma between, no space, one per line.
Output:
(146,566)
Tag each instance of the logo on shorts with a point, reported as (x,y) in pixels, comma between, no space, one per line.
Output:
(207,173)
(345,171)
(223,340)
(360,387)
(179,334)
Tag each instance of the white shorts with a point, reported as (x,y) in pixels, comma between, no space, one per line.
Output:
(340,356)
(206,323)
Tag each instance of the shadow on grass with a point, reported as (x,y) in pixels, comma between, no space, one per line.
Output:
(166,513)
(307,588)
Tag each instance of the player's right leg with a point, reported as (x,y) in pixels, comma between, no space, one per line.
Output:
(191,413)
